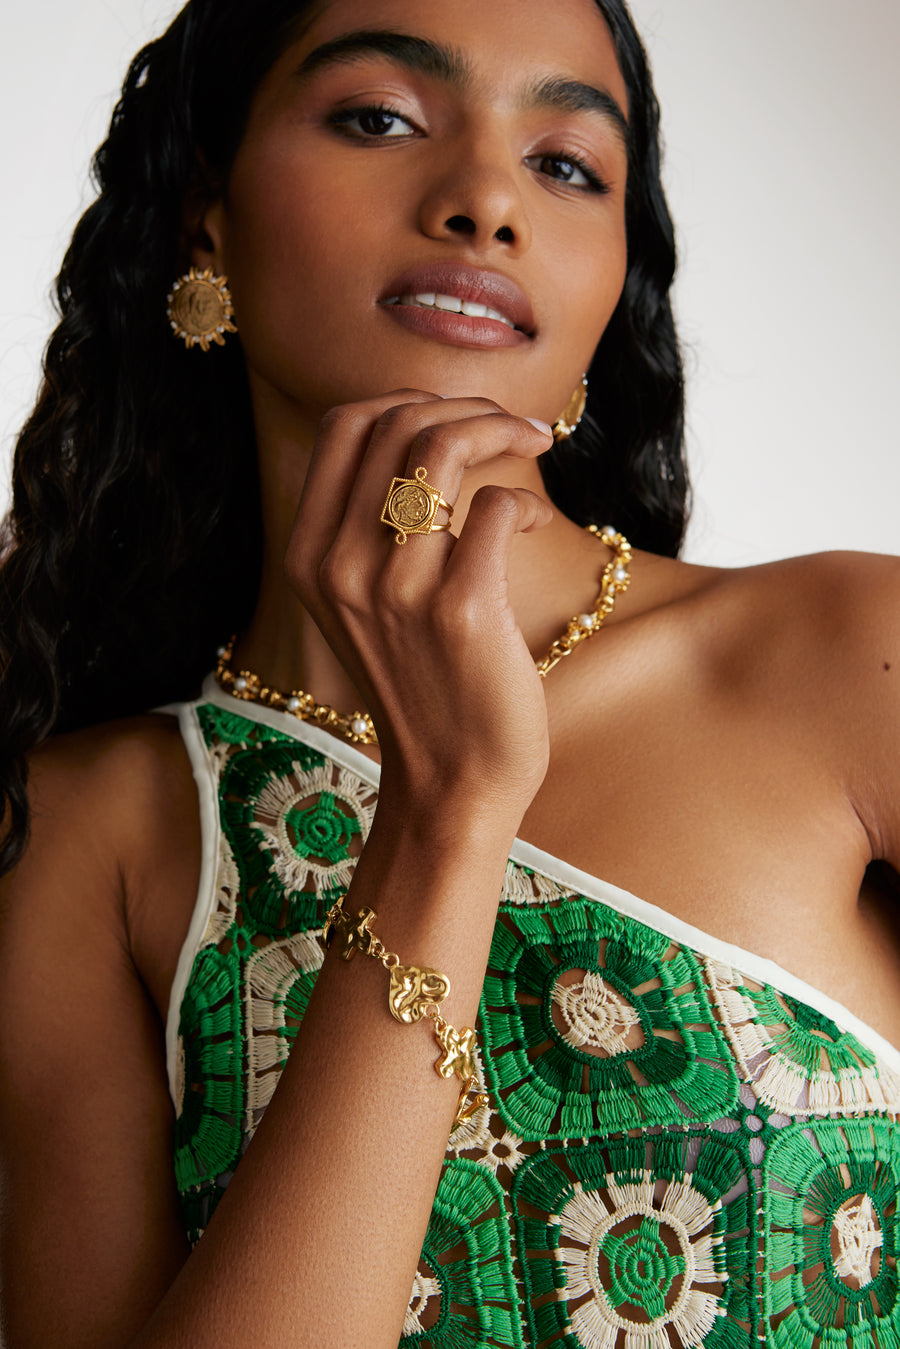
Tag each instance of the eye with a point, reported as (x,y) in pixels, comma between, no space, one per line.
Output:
(570,170)
(372,122)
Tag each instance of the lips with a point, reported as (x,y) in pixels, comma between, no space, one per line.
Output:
(478,295)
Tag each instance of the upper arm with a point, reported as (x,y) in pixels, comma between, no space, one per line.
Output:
(888,752)
(867,696)
(89,1231)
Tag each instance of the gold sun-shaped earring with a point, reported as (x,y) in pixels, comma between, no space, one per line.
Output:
(200,310)
(572,413)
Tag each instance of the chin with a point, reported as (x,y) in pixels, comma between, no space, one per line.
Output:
(469,378)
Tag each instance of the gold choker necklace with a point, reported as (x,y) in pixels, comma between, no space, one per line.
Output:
(357,726)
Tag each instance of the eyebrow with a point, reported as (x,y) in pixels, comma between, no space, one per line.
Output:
(574,96)
(418,54)
(425,57)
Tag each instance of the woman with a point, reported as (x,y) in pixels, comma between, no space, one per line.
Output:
(658,1137)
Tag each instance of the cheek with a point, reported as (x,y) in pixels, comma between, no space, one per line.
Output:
(276,222)
(591,273)
(289,244)
(606,269)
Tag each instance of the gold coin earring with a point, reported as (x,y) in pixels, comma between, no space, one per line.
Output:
(200,310)
(572,413)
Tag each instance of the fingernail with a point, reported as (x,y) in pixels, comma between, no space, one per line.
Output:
(540,426)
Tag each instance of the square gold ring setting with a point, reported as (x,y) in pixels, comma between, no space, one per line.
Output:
(411,506)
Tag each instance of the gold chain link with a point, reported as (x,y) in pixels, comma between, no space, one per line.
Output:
(615,579)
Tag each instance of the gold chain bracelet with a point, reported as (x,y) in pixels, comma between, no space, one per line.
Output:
(415,992)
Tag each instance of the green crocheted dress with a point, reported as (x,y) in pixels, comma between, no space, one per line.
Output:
(684,1144)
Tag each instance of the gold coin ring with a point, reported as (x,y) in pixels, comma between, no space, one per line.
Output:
(411,506)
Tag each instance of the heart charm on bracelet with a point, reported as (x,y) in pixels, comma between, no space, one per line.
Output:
(413,989)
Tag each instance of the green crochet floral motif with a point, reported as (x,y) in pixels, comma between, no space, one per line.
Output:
(659,1227)
(322,830)
(291,830)
(636,999)
(467,1256)
(279,980)
(832,1235)
(231,727)
(806,1036)
(208,1128)
(642,1268)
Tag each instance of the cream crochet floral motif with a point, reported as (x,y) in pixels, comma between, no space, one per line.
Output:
(425,1287)
(858,1238)
(596,1016)
(313,801)
(660,1265)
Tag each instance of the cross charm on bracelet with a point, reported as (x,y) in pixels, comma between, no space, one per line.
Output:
(353,934)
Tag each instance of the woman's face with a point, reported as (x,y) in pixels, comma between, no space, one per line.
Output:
(404,157)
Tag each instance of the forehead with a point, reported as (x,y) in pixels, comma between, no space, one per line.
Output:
(499,41)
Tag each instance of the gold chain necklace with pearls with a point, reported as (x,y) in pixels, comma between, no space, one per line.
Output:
(357,726)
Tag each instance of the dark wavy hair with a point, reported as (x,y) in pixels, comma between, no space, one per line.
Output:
(134,541)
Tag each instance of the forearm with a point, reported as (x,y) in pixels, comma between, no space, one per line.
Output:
(318,1236)
(325,1217)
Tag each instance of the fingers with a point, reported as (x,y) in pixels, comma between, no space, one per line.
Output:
(496,515)
(445,439)
(341,443)
(361,447)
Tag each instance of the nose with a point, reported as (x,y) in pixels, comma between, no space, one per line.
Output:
(475,195)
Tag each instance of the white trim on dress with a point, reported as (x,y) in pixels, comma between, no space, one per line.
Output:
(205,779)
(756,967)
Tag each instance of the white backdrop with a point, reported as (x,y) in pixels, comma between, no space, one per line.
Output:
(780,120)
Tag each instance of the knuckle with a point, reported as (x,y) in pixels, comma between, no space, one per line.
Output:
(414,395)
(338,580)
(500,503)
(442,441)
(458,612)
(338,420)
(396,593)
(401,417)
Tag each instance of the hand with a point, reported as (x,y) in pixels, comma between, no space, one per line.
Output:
(426,631)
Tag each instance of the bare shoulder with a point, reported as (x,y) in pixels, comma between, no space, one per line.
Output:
(821,638)
(113,811)
(112,791)
(114,843)
(809,645)
(115,769)
(852,588)
(100,800)
(848,598)
(836,612)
